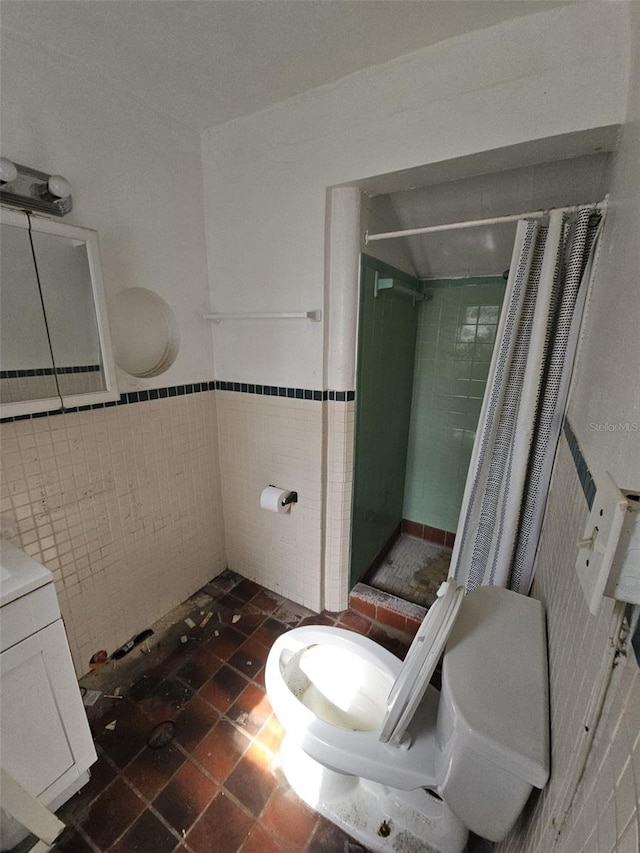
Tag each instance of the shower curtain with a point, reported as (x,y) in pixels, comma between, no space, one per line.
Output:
(522,412)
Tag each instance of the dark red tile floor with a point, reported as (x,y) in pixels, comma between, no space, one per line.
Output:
(216,787)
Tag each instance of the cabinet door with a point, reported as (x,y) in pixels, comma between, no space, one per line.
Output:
(45,742)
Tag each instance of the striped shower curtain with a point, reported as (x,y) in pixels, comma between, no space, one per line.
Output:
(523,408)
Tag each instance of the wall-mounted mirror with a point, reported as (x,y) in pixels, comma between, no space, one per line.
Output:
(55,348)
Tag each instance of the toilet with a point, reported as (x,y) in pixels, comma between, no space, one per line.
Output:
(400,766)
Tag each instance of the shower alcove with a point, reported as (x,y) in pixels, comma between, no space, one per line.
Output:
(428,309)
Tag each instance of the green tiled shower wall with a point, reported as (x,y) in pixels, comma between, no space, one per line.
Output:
(386,353)
(456,334)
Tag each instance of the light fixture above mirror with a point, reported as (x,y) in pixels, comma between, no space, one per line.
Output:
(31,190)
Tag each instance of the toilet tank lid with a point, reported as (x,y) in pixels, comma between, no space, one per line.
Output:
(495,676)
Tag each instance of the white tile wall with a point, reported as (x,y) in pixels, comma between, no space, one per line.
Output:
(340,428)
(591,800)
(123,505)
(277,441)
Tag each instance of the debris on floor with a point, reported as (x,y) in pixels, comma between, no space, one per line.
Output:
(98,659)
(162,735)
(90,697)
(203,699)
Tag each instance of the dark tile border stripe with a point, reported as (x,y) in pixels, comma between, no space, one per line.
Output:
(582,469)
(125,399)
(195,388)
(49,371)
(282,391)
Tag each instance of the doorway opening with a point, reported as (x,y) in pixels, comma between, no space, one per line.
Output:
(425,342)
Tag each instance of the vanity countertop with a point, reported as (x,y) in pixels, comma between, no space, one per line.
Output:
(19,573)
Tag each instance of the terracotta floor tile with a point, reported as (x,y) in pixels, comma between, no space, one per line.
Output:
(257,650)
(251,782)
(290,818)
(245,664)
(265,601)
(185,797)
(255,811)
(222,828)
(230,601)
(147,835)
(320,619)
(271,734)
(223,689)
(144,686)
(388,641)
(251,709)
(165,700)
(206,657)
(246,589)
(197,670)
(71,842)
(224,582)
(355,621)
(153,768)
(221,750)
(196,719)
(251,617)
(111,813)
(129,736)
(102,773)
(269,631)
(261,841)
(228,642)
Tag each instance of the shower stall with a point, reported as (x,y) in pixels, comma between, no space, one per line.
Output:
(429,316)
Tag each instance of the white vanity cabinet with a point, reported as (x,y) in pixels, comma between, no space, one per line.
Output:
(45,741)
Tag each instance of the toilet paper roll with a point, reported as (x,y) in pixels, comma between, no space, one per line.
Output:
(272,499)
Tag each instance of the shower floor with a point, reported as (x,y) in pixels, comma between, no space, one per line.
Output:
(413,570)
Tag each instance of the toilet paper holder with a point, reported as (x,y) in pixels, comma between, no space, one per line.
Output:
(291,498)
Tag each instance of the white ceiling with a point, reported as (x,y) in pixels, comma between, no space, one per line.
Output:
(205,62)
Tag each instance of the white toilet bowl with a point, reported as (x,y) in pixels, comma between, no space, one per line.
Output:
(398,765)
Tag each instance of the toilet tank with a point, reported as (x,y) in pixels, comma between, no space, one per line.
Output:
(493,719)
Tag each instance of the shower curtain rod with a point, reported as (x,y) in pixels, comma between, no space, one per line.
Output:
(472,223)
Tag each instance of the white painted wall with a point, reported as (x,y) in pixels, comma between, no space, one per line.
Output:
(266,175)
(606,388)
(136,177)
(129,514)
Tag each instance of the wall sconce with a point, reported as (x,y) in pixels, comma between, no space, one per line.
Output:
(29,189)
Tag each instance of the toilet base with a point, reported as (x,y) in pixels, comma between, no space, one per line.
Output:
(416,821)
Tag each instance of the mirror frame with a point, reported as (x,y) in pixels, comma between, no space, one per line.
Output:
(89,237)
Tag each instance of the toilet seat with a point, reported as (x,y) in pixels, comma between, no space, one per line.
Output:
(422,658)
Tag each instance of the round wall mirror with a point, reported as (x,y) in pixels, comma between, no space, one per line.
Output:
(145,333)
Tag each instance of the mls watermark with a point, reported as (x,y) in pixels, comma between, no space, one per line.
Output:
(621,426)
